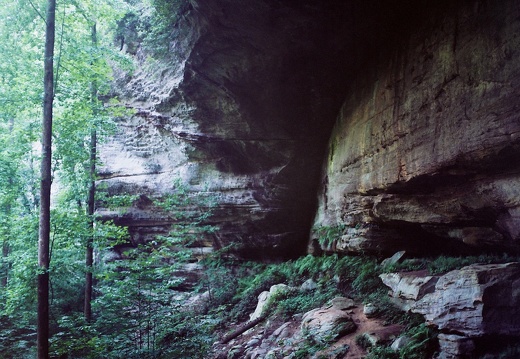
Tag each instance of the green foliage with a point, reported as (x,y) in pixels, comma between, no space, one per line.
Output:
(333,275)
(159,29)
(308,349)
(77,112)
(382,352)
(422,345)
(363,341)
(301,302)
(444,264)
(138,291)
(327,235)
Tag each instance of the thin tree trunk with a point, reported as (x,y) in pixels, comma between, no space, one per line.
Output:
(5,263)
(89,257)
(5,244)
(241,330)
(45,187)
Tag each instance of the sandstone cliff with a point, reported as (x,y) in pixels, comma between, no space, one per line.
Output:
(423,154)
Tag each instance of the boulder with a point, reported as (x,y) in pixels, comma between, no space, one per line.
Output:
(325,325)
(384,334)
(409,287)
(370,310)
(265,297)
(454,346)
(342,303)
(393,259)
(309,285)
(475,301)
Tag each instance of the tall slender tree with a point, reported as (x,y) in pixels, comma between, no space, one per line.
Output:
(89,257)
(45,187)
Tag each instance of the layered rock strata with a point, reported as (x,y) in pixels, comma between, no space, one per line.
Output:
(467,305)
(235,109)
(425,154)
(241,106)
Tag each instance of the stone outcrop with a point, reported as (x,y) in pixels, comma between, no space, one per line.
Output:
(424,154)
(466,305)
(243,103)
(240,107)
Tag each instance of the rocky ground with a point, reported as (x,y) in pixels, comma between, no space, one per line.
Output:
(275,338)
(467,307)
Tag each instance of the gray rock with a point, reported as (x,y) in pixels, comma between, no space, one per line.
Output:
(252,343)
(393,259)
(369,310)
(455,346)
(325,325)
(407,288)
(309,285)
(264,297)
(400,343)
(475,301)
(342,303)
(281,332)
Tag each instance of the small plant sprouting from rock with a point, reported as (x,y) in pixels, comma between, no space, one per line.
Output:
(327,235)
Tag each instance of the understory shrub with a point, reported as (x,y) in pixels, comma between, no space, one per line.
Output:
(422,345)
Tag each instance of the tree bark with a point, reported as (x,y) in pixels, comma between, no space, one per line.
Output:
(45,187)
(89,256)
(5,263)
(5,244)
(241,330)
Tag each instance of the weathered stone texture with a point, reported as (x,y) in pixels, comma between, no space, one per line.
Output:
(236,109)
(476,302)
(425,154)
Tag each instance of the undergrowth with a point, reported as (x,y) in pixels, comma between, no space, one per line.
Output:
(444,264)
(234,288)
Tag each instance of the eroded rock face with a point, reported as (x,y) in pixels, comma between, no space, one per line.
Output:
(423,156)
(425,153)
(241,108)
(466,305)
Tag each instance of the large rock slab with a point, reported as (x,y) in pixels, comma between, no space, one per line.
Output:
(326,325)
(467,305)
(424,154)
(265,298)
(409,287)
(473,302)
